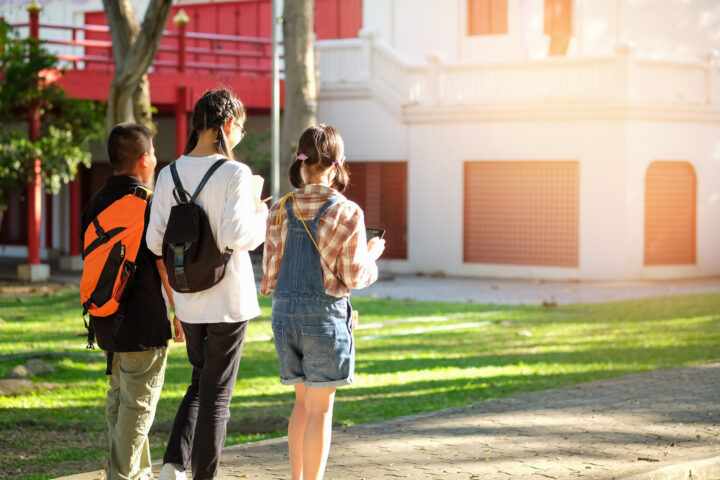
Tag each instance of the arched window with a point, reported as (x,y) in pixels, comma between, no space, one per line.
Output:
(670,213)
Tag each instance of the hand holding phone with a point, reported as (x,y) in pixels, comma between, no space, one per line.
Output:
(376,244)
(374,232)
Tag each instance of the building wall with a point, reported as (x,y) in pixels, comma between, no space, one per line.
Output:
(613,154)
(668,28)
(370,132)
(437,154)
(693,142)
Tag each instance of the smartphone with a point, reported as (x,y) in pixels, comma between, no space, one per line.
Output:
(374,232)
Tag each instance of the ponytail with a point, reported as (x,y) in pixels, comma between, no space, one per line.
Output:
(321,147)
(342,177)
(192,142)
(294,174)
(221,144)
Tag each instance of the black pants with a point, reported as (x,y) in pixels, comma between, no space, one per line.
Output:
(200,426)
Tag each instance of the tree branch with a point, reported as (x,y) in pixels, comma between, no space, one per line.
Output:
(143,49)
(124,27)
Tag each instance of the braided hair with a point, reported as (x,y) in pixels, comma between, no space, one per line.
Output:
(212,112)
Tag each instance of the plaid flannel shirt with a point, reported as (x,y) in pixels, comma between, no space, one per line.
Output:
(341,238)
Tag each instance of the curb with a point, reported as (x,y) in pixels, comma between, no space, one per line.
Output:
(707,469)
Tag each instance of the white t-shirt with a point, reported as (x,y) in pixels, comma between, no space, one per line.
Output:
(228,200)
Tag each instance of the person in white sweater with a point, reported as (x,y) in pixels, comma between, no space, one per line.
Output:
(214,321)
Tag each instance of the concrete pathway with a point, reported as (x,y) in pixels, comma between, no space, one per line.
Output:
(513,292)
(658,425)
(479,290)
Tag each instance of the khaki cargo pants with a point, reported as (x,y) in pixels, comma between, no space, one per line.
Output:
(135,385)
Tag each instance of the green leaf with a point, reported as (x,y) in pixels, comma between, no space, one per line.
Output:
(68,125)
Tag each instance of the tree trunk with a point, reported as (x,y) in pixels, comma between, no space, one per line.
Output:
(134,48)
(300,107)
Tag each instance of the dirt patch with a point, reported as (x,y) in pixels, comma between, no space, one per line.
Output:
(16,386)
(12,289)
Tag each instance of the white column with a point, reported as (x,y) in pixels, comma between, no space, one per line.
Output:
(435,81)
(624,55)
(368,37)
(711,57)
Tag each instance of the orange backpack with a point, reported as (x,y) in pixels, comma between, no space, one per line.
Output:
(110,247)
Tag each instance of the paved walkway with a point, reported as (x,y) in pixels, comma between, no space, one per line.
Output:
(512,292)
(651,426)
(481,290)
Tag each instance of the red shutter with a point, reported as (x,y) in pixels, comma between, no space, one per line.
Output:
(670,214)
(498,16)
(487,17)
(558,17)
(394,208)
(380,188)
(521,213)
(337,18)
(478,20)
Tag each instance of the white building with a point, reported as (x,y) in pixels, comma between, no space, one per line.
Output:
(603,163)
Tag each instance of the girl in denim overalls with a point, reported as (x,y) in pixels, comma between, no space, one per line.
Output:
(315,251)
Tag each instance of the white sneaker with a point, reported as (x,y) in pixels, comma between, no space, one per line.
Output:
(170,471)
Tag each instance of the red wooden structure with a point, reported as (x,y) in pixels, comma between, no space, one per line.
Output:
(224,43)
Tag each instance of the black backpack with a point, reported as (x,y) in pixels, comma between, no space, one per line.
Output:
(190,254)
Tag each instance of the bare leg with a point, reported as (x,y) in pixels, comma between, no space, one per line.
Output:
(296,432)
(318,430)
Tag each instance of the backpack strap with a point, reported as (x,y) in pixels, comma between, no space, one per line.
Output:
(143,193)
(102,237)
(325,207)
(181,195)
(179,265)
(207,176)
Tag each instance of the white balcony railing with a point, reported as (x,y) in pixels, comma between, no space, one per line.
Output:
(620,78)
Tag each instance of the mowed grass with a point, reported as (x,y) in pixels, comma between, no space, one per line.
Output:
(411,357)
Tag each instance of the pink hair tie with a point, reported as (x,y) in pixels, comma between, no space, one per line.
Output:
(302,157)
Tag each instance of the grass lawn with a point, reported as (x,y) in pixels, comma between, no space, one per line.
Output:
(411,357)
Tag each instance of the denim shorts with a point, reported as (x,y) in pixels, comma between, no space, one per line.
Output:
(314,341)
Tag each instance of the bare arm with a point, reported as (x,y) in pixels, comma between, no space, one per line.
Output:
(179,334)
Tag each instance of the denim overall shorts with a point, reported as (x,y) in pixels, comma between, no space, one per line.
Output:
(313,330)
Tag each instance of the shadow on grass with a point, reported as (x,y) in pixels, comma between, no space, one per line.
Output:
(650,357)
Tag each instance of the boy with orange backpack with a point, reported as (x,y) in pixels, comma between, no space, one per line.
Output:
(121,290)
